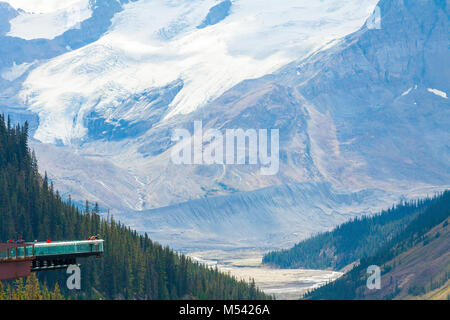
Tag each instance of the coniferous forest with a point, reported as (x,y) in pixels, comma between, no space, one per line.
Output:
(133,266)
(414,237)
(353,240)
(29,289)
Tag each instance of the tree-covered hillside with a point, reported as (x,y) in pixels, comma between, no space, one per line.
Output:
(350,241)
(133,267)
(29,289)
(413,263)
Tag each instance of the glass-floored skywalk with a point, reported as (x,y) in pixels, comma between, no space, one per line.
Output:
(18,260)
(62,248)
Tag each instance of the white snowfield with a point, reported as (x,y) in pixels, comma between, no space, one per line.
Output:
(47,19)
(439,93)
(155,42)
(43,6)
(16,71)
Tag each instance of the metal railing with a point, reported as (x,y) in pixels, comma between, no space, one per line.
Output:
(29,251)
(68,247)
(16,252)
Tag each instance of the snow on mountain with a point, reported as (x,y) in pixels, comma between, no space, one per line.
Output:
(342,114)
(16,71)
(47,19)
(154,43)
(43,6)
(438,93)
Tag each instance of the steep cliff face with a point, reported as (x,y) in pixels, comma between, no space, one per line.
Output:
(386,93)
(34,32)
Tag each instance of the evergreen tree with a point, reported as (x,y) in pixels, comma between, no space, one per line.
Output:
(133,266)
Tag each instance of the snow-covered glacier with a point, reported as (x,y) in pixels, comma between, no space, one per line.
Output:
(47,19)
(361,102)
(153,43)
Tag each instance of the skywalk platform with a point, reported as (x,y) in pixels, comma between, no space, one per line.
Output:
(19,260)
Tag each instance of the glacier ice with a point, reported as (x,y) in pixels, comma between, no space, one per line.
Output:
(48,19)
(209,61)
(437,92)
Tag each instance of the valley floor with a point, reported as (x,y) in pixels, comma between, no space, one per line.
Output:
(284,284)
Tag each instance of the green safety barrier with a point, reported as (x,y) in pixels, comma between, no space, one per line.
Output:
(76,247)
(54,248)
(19,253)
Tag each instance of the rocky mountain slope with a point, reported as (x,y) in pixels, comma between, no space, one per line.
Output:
(414,263)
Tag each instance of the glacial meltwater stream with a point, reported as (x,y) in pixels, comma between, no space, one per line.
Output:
(284,284)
